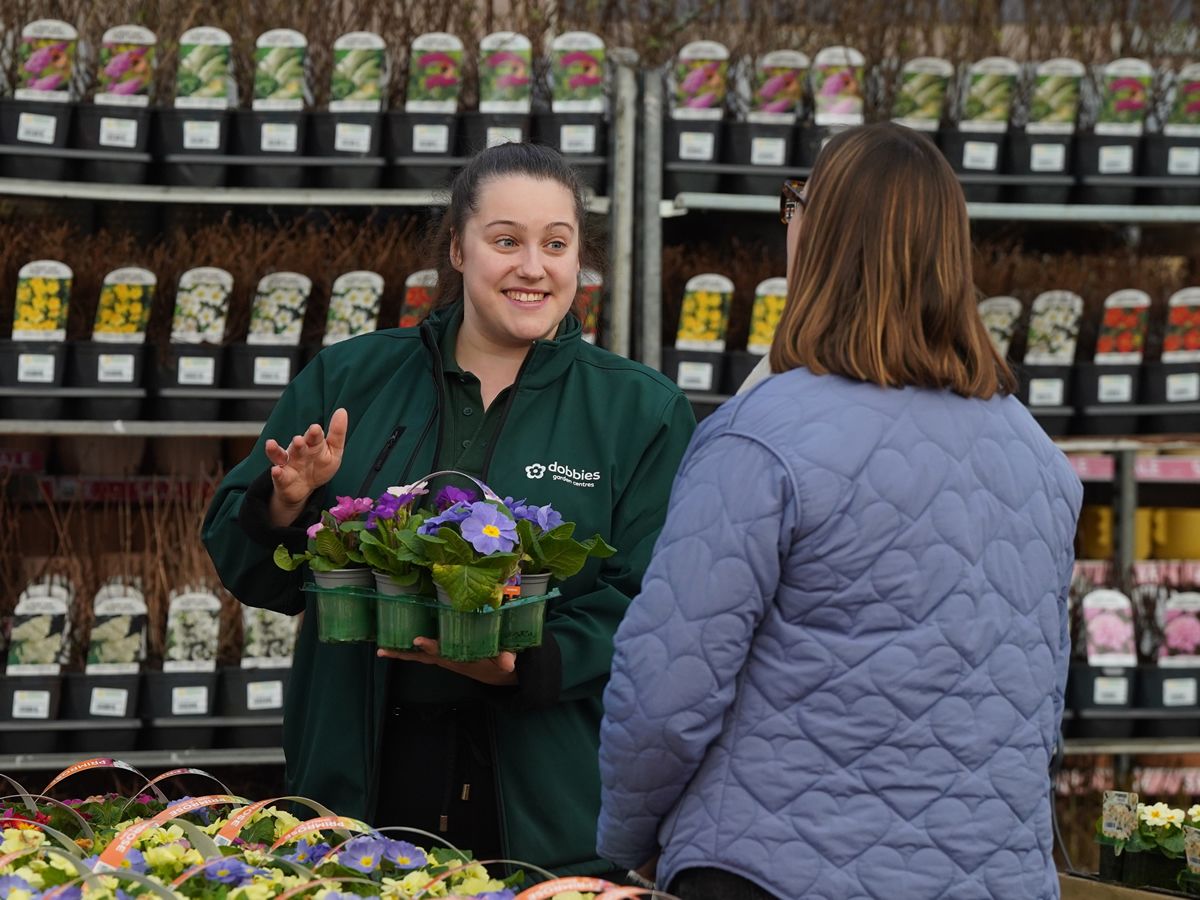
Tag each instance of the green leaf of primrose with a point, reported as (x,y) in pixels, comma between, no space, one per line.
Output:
(284,559)
(599,548)
(469,588)
(562,559)
(457,550)
(327,544)
(353,525)
(563,531)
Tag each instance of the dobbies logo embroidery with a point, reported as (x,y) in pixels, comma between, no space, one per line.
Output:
(559,472)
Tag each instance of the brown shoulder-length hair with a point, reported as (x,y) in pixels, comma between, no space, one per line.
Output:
(881,288)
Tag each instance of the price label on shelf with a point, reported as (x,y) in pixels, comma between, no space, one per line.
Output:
(33,128)
(191,700)
(197,371)
(1045,392)
(695,376)
(1183,387)
(201,135)
(577,139)
(1116,160)
(349,137)
(1110,691)
(121,133)
(1179,692)
(264,695)
(279,137)
(497,135)
(980,156)
(697,146)
(111,702)
(768,151)
(1047,158)
(272,370)
(1183,161)
(115,368)
(431,139)
(31,705)
(1115,389)
(35,368)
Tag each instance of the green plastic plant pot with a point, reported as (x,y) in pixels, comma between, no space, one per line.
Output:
(345,606)
(521,623)
(535,585)
(401,617)
(468,636)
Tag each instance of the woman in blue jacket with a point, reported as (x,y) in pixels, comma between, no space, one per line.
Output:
(844,674)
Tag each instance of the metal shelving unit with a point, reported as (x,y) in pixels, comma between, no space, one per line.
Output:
(38,762)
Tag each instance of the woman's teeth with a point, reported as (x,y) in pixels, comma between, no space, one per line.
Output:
(524,296)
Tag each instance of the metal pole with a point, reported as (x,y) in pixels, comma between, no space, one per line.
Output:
(622,176)
(1124,511)
(650,351)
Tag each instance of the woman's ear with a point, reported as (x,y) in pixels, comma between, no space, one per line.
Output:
(456,258)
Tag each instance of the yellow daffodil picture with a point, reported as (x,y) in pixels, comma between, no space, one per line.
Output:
(43,293)
(704,317)
(769,301)
(124,309)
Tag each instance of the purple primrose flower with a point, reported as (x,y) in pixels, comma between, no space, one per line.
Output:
(363,854)
(349,507)
(313,529)
(451,496)
(231,871)
(403,854)
(451,516)
(489,530)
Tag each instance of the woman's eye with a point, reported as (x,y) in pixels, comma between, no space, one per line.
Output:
(506,242)
(558,245)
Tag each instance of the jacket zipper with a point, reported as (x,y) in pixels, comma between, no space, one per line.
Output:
(508,403)
(381,459)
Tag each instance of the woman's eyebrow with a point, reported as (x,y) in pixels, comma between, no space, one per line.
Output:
(509,223)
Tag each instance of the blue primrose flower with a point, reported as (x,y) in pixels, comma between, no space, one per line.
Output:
(451,496)
(505,894)
(363,854)
(10,883)
(230,871)
(307,854)
(134,861)
(451,516)
(546,518)
(404,855)
(489,530)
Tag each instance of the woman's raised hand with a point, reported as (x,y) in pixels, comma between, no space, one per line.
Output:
(308,462)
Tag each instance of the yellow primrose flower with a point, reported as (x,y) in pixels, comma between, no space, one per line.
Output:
(19,894)
(21,839)
(416,880)
(284,822)
(165,856)
(62,864)
(1155,816)
(1193,812)
(471,886)
(254,891)
(24,293)
(1174,817)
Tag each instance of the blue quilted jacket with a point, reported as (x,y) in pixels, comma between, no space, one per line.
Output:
(844,675)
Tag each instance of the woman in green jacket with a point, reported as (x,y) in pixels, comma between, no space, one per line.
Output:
(498,756)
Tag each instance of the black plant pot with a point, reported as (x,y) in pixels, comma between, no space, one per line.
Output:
(1038,156)
(353,142)
(810,140)
(27,704)
(754,144)
(1112,867)
(99,365)
(190,367)
(1165,156)
(1106,166)
(1171,690)
(739,365)
(252,694)
(106,707)
(421,149)
(975,155)
(695,370)
(275,138)
(35,367)
(1099,385)
(1167,383)
(583,139)
(113,132)
(1092,701)
(482,130)
(261,367)
(191,144)
(37,127)
(1047,391)
(180,706)
(1152,870)
(688,143)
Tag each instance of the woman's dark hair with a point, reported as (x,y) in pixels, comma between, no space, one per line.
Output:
(528,160)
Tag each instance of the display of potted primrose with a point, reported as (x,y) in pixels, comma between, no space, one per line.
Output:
(1143,845)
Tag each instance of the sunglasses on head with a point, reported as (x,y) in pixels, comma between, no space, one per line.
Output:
(791,198)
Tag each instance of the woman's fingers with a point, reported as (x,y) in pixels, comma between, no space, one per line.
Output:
(338,425)
(276,454)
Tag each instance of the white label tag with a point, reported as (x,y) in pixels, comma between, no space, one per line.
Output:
(264,695)
(272,370)
(35,368)
(577,138)
(698,146)
(1110,691)
(1116,160)
(115,368)
(33,128)
(349,137)
(431,138)
(1183,387)
(695,376)
(1179,692)
(279,137)
(112,702)
(768,151)
(497,135)
(1183,161)
(197,371)
(1115,389)
(189,701)
(1047,157)
(1045,392)
(31,705)
(121,133)
(980,155)
(201,135)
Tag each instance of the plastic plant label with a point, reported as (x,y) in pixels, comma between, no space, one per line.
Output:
(1115,389)
(434,75)
(277,316)
(280,56)
(921,95)
(1000,316)
(34,128)
(1191,848)
(431,139)
(497,135)
(1183,161)
(1179,692)
(43,292)
(695,376)
(697,146)
(577,139)
(1116,160)
(279,137)
(109,702)
(45,61)
(37,641)
(1184,117)
(838,76)
(990,87)
(269,639)
(272,371)
(349,137)
(126,66)
(193,628)
(35,368)
(360,73)
(1118,819)
(980,156)
(353,306)
(190,700)
(704,316)
(261,695)
(1123,329)
(201,305)
(1108,629)
(201,135)
(1180,646)
(577,73)
(117,643)
(205,77)
(1124,98)
(418,297)
(768,151)
(505,73)
(1046,392)
(699,81)
(115,368)
(124,308)
(1183,387)
(31,705)
(770,297)
(1054,106)
(588,302)
(1110,691)
(1054,329)
(1181,340)
(196,371)
(776,88)
(1047,157)
(121,133)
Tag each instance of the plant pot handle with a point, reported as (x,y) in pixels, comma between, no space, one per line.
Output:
(488,493)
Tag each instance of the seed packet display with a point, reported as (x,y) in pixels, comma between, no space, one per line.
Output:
(419,290)
(591,292)
(699,81)
(277,316)
(193,631)
(434,74)
(123,311)
(1181,341)
(921,95)
(1124,97)
(1054,103)
(577,73)
(201,306)
(43,295)
(770,297)
(269,639)
(126,71)
(280,70)
(353,306)
(987,98)
(360,73)
(117,642)
(38,642)
(704,316)
(205,76)
(1053,329)
(1184,117)
(1122,335)
(838,79)
(771,87)
(1108,629)
(505,73)
(46,62)
(1000,317)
